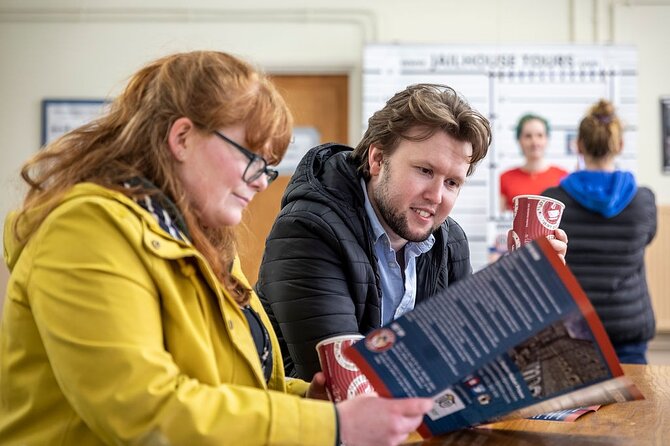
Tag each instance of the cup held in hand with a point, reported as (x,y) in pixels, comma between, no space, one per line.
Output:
(343,379)
(535,216)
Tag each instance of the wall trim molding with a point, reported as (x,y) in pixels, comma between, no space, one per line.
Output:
(364,20)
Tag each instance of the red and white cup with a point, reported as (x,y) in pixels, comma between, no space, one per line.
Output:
(535,216)
(343,379)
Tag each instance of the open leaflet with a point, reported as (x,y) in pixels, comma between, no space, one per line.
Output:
(516,339)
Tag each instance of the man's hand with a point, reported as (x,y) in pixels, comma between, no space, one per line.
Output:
(560,243)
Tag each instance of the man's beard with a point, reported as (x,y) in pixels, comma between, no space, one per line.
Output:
(395,220)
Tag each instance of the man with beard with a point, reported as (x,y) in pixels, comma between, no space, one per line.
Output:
(365,235)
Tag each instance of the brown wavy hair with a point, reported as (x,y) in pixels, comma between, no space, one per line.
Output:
(212,89)
(430,107)
(601,132)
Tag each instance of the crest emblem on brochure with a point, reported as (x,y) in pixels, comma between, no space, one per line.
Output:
(549,213)
(380,340)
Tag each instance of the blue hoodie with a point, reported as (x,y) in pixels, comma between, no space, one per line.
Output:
(607,193)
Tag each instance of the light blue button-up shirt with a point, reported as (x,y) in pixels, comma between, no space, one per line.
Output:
(398,297)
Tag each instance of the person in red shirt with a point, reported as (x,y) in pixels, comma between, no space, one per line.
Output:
(536,174)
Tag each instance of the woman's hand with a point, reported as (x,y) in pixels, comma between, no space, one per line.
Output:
(370,420)
(317,388)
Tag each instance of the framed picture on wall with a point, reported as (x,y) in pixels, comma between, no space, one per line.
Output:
(665,133)
(59,116)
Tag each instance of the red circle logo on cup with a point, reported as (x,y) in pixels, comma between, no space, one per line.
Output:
(358,386)
(380,340)
(341,359)
(549,213)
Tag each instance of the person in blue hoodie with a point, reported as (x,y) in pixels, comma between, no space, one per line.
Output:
(610,220)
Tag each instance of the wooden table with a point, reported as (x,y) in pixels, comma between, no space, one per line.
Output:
(645,422)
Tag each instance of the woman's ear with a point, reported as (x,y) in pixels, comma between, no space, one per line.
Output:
(177,138)
(375,159)
(580,146)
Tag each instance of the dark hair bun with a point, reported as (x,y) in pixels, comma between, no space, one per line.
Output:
(603,111)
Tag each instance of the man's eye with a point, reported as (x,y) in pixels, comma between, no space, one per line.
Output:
(425,170)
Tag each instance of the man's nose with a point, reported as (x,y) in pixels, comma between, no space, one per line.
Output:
(433,191)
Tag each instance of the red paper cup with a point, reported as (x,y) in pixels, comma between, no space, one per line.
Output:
(535,216)
(343,379)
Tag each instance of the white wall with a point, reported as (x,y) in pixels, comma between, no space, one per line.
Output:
(86,49)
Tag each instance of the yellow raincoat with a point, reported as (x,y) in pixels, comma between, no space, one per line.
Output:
(114,332)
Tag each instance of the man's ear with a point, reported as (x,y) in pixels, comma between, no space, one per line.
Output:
(375,159)
(580,147)
(177,136)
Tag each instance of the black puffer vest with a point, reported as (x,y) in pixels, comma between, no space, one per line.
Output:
(319,273)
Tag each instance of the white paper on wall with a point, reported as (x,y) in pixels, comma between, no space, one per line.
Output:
(504,82)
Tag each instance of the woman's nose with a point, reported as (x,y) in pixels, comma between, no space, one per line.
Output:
(261,183)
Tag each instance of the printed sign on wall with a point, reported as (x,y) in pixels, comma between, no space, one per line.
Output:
(504,82)
(59,116)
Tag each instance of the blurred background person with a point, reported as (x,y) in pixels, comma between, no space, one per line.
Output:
(127,318)
(532,133)
(610,221)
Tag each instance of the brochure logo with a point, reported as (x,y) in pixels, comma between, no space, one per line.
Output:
(472,380)
(478,389)
(446,400)
(445,403)
(484,399)
(380,340)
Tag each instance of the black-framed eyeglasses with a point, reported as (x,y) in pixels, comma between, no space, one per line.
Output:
(257,165)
